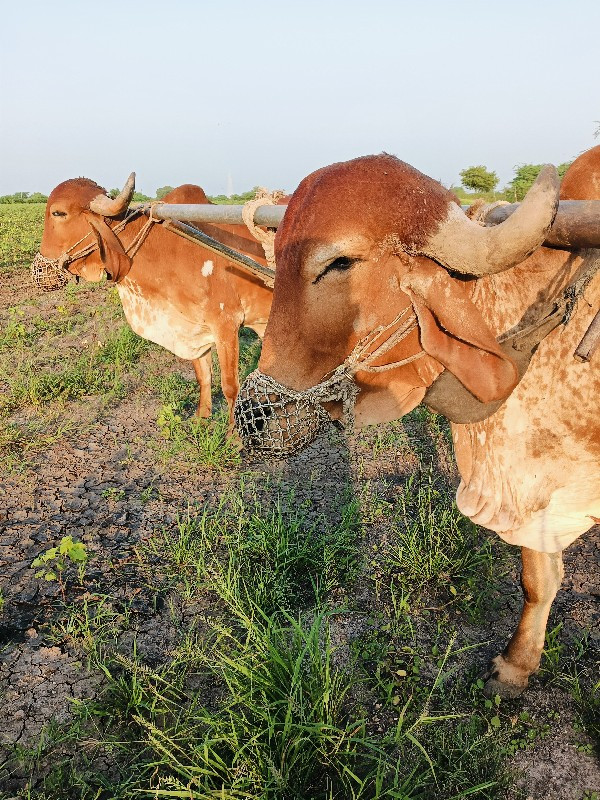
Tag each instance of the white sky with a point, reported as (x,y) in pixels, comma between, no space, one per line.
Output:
(184,91)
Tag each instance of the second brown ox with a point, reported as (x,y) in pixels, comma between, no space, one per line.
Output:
(173,292)
(373,242)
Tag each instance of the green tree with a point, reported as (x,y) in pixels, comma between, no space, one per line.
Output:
(479,178)
(525,175)
(17,197)
(37,197)
(163,191)
(234,199)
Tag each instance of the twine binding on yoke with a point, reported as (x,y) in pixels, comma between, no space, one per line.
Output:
(266,237)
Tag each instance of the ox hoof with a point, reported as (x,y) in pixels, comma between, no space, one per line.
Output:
(203,413)
(505,680)
(507,691)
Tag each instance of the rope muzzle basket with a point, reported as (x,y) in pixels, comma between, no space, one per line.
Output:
(272,418)
(48,274)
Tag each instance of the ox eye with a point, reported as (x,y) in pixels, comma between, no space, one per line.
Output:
(59,213)
(339,264)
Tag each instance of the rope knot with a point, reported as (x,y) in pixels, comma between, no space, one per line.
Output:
(262,197)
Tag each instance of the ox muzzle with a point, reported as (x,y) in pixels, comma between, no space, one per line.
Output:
(273,418)
(49,274)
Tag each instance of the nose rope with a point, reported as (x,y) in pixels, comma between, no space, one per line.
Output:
(340,384)
(273,417)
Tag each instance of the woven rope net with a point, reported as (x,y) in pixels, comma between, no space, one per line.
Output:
(48,274)
(270,417)
(266,237)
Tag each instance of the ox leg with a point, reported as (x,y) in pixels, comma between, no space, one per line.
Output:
(228,350)
(541,578)
(203,369)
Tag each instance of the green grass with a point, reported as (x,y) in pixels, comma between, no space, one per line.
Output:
(429,554)
(272,716)
(574,664)
(250,552)
(194,441)
(98,370)
(21,228)
(432,544)
(257,696)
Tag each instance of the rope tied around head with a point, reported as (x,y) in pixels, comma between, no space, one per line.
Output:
(266,237)
(340,384)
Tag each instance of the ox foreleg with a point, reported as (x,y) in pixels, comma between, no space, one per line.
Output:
(540,579)
(203,369)
(228,350)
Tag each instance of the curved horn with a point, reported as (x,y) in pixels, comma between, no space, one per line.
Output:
(466,247)
(106,207)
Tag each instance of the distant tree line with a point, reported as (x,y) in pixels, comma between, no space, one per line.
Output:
(477,179)
(24,197)
(481,180)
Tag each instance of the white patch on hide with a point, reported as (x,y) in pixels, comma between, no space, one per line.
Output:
(207,268)
(161,322)
(481,437)
(222,306)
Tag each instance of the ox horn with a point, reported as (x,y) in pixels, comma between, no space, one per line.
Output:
(107,207)
(466,247)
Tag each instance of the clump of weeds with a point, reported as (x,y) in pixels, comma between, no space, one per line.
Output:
(203,442)
(53,562)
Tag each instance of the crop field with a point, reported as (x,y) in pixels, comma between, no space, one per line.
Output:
(179,622)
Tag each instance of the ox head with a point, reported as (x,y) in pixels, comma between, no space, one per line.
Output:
(362,241)
(75,218)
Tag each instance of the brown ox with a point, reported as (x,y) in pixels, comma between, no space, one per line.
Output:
(173,292)
(367,239)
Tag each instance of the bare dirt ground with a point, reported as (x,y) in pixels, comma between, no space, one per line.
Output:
(105,480)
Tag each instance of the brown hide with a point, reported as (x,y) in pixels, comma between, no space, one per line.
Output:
(582,179)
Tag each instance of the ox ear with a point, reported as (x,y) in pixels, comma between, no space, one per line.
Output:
(453,331)
(114,258)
